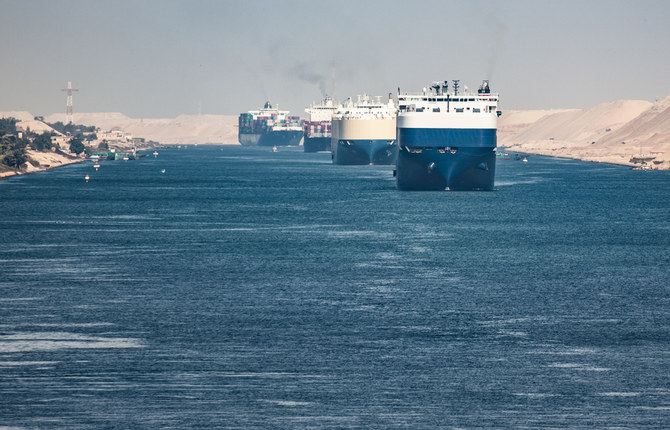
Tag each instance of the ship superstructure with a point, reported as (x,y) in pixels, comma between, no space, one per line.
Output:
(364,131)
(269,127)
(447,139)
(317,128)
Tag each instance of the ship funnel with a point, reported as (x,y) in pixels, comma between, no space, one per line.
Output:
(484,88)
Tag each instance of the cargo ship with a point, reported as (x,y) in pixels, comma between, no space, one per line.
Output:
(269,127)
(317,128)
(447,139)
(364,132)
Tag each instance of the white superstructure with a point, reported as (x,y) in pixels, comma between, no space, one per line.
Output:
(435,107)
(364,131)
(322,111)
(366,118)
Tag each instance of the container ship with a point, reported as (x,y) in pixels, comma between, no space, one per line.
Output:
(317,129)
(364,132)
(269,127)
(447,139)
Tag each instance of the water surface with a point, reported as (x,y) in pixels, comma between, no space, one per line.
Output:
(248,289)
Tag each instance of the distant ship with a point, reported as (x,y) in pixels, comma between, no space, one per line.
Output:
(269,127)
(364,132)
(447,140)
(507,156)
(317,128)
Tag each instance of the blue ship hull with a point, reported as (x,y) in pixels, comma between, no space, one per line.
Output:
(316,144)
(280,138)
(439,159)
(364,152)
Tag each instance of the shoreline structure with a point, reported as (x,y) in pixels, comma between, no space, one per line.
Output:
(632,133)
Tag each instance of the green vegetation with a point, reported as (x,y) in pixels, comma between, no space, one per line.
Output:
(7,126)
(15,158)
(75,130)
(13,148)
(42,142)
(77,146)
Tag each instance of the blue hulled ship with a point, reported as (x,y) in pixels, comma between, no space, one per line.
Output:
(269,127)
(317,128)
(447,139)
(363,132)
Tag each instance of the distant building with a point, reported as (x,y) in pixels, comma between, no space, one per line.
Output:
(115,135)
(60,140)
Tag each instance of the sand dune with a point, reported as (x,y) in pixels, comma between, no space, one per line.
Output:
(513,122)
(185,129)
(19,115)
(597,133)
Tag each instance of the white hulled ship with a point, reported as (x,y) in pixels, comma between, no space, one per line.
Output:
(447,139)
(364,132)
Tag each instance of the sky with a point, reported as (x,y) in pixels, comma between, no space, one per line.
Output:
(163,58)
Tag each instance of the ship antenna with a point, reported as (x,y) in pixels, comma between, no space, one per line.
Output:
(456,81)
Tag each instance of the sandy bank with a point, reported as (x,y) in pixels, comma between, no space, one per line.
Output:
(46,160)
(625,132)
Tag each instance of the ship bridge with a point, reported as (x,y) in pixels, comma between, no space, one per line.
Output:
(437,98)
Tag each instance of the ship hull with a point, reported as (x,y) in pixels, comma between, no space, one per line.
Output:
(446,159)
(249,139)
(280,138)
(316,144)
(364,152)
(363,142)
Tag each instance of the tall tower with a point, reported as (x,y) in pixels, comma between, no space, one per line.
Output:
(68,105)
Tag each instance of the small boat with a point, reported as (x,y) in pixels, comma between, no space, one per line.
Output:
(507,156)
(162,170)
(87,177)
(97,166)
(274,149)
(126,158)
(155,154)
(525,160)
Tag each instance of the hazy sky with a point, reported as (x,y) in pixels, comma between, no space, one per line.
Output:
(159,58)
